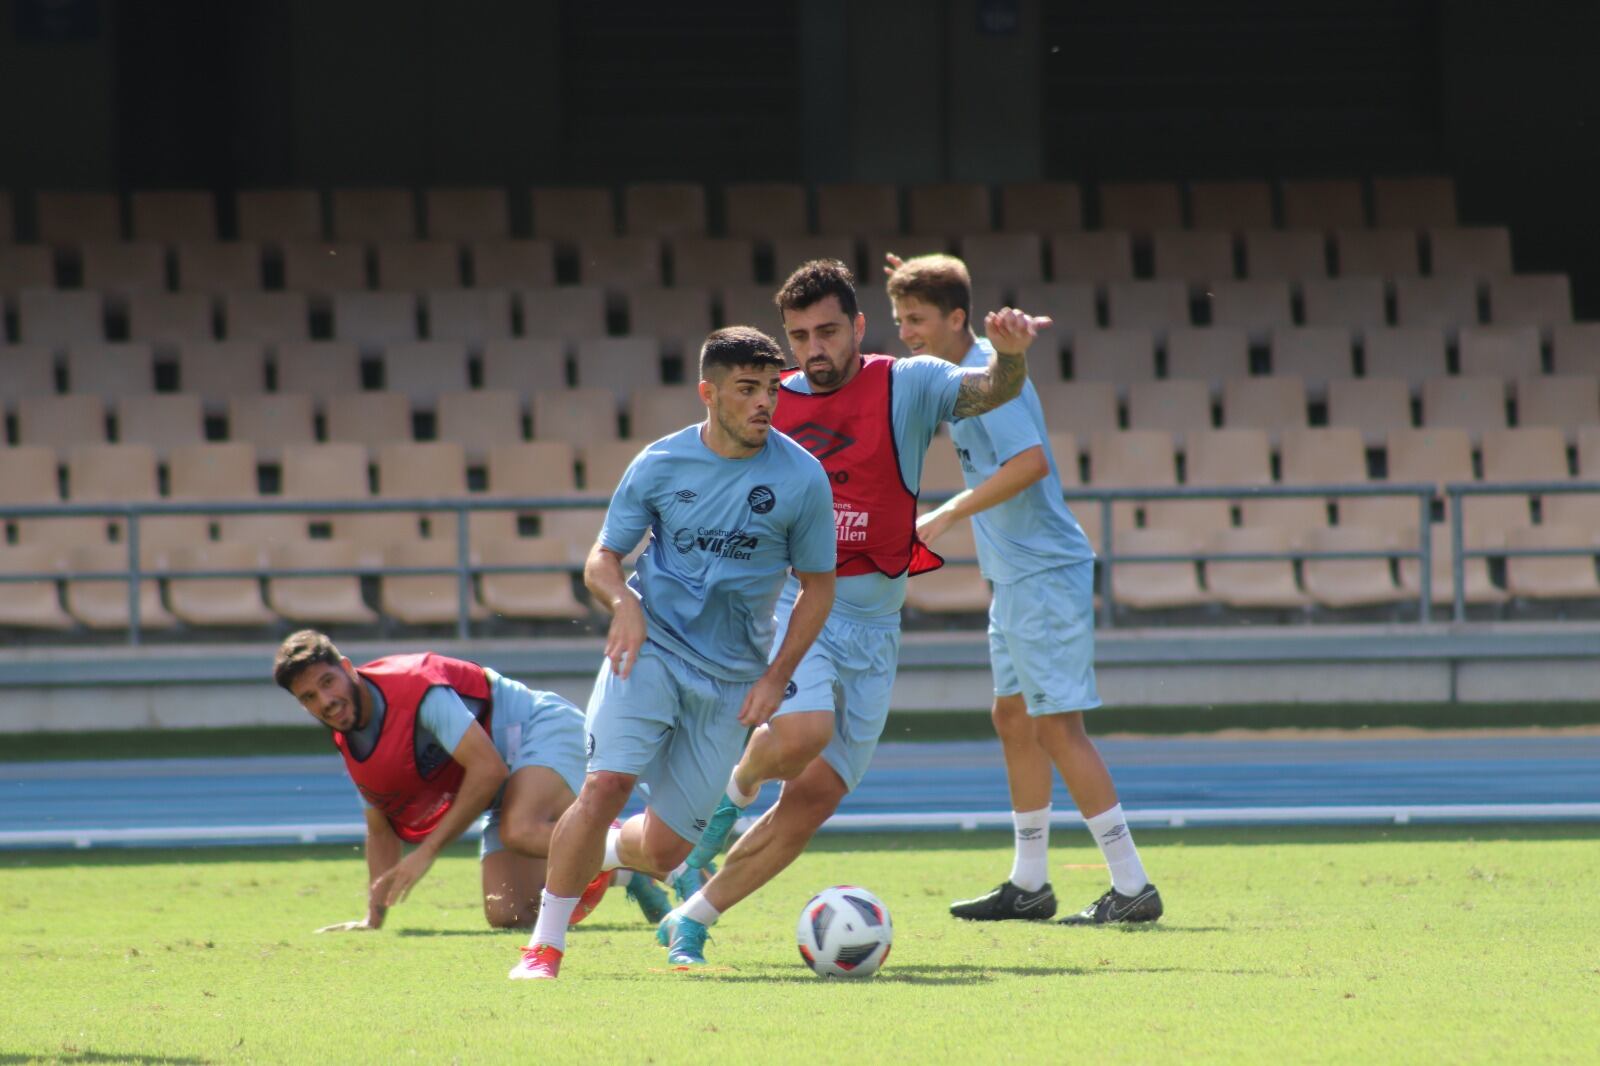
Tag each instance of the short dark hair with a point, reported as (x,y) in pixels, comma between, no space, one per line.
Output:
(939,280)
(736,346)
(300,650)
(817,280)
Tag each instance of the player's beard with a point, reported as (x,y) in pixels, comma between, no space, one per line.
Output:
(826,378)
(353,699)
(740,431)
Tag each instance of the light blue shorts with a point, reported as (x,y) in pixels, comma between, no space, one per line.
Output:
(849,670)
(532,728)
(1041,640)
(673,726)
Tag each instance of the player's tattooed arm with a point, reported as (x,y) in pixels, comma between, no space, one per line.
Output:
(1011,332)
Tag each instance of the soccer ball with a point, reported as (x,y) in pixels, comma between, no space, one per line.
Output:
(844,932)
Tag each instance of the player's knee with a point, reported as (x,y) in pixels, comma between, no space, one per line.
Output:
(795,751)
(1011,721)
(605,793)
(663,852)
(814,801)
(502,912)
(1067,728)
(527,834)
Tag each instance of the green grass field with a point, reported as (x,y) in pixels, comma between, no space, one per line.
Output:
(1317,945)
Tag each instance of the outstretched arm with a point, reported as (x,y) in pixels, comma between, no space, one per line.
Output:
(1014,475)
(383,851)
(1011,332)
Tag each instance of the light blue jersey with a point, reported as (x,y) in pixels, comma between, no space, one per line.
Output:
(923,394)
(1034,530)
(723,535)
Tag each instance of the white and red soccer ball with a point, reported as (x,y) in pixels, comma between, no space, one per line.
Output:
(844,931)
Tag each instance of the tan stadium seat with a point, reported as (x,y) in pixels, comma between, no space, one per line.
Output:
(525,366)
(578,529)
(1177,406)
(1551,577)
(1563,401)
(882,335)
(1266,583)
(270,422)
(751,305)
(1156,585)
(1438,453)
(167,319)
(1350,582)
(279,216)
(1120,356)
(620,263)
(1133,458)
(25,370)
(1095,258)
(950,208)
(1298,516)
(541,594)
(215,471)
(1501,351)
(1322,456)
(1004,258)
(954,588)
(1576,348)
(473,317)
(102,603)
(1315,354)
(32,604)
(620,364)
(573,213)
(1589,453)
(1449,303)
(1234,206)
(1256,306)
(163,420)
(24,266)
(318,367)
(1377,253)
(423,599)
(333,472)
(1208,353)
(1477,252)
(421,370)
(28,478)
(764,210)
(1479,589)
(1216,458)
(1355,304)
(1412,353)
(375,320)
(371,215)
(412,266)
(569,312)
(866,210)
(1198,257)
(480,419)
(111,370)
(603,464)
(1323,204)
(1064,453)
(710,262)
(1414,202)
(1372,405)
(467,214)
(1069,304)
(216,601)
(525,469)
(1543,300)
(1041,207)
(505,264)
(1285,255)
(268,317)
(1274,404)
(1532,454)
(679,317)
(126,473)
(664,209)
(1142,207)
(61,422)
(367,418)
(59,319)
(655,413)
(219,267)
(789,252)
(73,219)
(323,268)
(172,216)
(317,600)
(1474,404)
(577,416)
(1079,409)
(941,470)
(1153,305)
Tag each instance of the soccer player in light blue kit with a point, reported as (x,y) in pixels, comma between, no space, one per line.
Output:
(731,508)
(1041,618)
(870,420)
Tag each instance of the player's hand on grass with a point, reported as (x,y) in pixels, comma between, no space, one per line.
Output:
(360,925)
(761,702)
(931,526)
(394,884)
(625,636)
(1012,331)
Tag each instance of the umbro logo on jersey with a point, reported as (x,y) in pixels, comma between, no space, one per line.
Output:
(700,823)
(686,494)
(821,441)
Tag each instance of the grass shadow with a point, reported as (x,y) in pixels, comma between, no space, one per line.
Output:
(85,1055)
(966,974)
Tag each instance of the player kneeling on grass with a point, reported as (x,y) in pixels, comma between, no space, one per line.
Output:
(432,743)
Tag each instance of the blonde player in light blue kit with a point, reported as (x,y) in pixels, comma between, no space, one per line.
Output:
(1041,619)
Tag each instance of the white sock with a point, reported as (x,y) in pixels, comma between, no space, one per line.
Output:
(1111,833)
(740,797)
(699,909)
(622,877)
(554,913)
(611,862)
(1030,865)
(677,871)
